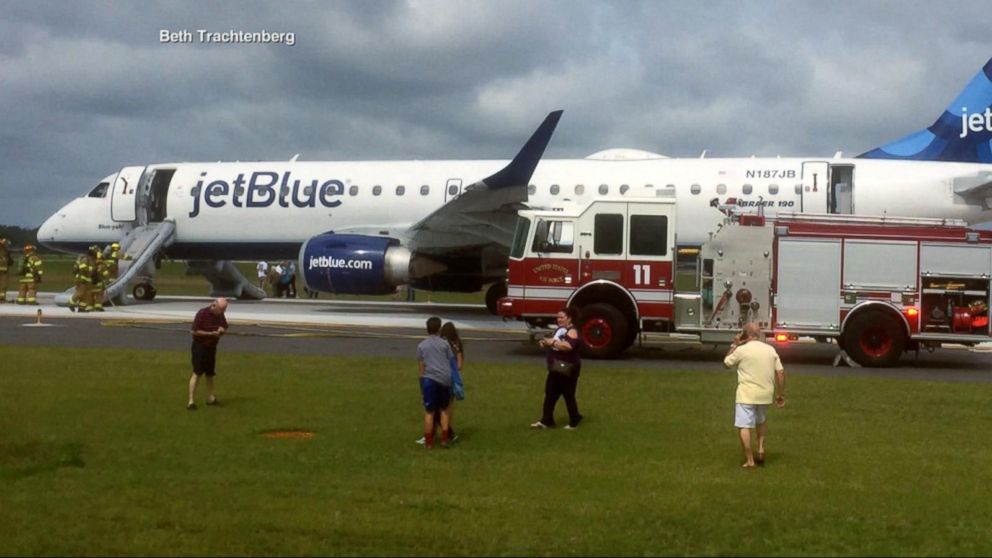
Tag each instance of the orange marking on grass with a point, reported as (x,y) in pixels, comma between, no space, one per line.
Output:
(288,434)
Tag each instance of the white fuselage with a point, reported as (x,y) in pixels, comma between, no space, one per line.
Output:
(229,210)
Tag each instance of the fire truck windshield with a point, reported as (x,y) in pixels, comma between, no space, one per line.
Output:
(554,237)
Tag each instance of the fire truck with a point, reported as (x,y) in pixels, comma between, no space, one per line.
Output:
(877,286)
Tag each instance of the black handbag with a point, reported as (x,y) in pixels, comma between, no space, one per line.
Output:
(563,367)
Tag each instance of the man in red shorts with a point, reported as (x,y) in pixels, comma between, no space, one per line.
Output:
(208,327)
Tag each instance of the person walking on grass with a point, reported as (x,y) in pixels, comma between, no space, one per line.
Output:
(450,334)
(564,364)
(434,356)
(209,326)
(760,380)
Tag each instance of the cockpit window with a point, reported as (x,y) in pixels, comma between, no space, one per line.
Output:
(100,191)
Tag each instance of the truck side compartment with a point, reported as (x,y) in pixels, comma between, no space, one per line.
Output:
(878,286)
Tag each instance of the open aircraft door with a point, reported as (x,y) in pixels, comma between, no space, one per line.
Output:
(816,182)
(123,203)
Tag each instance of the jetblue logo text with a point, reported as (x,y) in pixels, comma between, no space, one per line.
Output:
(323,262)
(978,122)
(263,188)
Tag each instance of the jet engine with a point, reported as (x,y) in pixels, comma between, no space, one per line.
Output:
(354,264)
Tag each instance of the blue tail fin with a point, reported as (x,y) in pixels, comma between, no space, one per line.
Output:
(521,168)
(962,134)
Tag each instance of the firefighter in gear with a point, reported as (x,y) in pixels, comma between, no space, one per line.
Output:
(112,253)
(30,274)
(83,278)
(5,263)
(101,275)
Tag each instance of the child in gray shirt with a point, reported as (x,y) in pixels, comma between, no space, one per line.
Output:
(434,358)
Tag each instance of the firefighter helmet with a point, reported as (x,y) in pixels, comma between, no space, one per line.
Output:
(115,245)
(94,249)
(28,248)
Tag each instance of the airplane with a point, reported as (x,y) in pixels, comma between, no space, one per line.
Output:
(368,227)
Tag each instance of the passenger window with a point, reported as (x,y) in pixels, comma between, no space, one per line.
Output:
(531,189)
(424,190)
(554,189)
(695,189)
(452,190)
(609,234)
(554,237)
(400,190)
(721,189)
(747,189)
(353,191)
(604,189)
(623,189)
(648,235)
(376,190)
(580,189)
(100,191)
(773,189)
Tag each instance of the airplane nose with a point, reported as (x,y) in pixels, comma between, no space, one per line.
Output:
(48,230)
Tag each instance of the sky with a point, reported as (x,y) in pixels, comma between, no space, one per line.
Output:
(89,87)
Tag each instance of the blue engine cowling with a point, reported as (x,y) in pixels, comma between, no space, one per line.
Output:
(354,264)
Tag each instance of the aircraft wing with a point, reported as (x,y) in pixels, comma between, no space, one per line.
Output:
(975,189)
(485,214)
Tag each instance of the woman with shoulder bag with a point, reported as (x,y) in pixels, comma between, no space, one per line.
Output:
(562,356)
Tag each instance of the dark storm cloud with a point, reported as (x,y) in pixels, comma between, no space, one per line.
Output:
(88,88)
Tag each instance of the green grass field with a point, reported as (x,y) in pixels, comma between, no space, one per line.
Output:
(99,457)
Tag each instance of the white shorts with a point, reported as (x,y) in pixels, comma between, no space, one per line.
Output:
(749,416)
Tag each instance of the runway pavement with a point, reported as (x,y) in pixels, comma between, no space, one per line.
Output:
(335,328)
(284,326)
(282,311)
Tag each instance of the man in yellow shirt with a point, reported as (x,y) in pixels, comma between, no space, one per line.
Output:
(760,381)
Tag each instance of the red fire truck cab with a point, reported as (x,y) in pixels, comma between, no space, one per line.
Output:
(877,286)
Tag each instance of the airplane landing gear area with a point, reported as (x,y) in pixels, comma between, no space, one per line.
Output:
(144,291)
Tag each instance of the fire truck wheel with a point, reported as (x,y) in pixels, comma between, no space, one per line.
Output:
(495,292)
(874,339)
(603,329)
